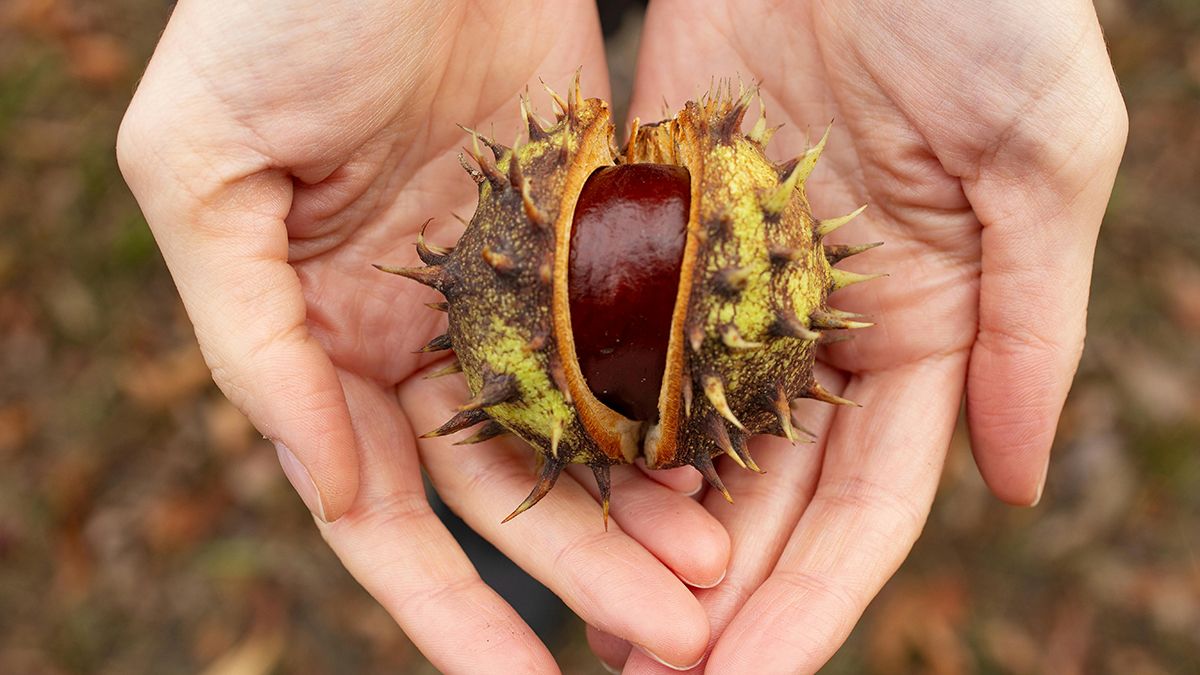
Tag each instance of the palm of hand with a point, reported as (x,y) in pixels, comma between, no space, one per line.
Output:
(361,198)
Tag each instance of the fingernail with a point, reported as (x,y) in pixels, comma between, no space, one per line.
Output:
(672,666)
(301,480)
(611,669)
(711,584)
(1041,484)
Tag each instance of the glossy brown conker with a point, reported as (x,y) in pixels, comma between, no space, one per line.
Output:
(627,245)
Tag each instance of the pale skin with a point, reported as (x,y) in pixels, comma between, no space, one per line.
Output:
(278,150)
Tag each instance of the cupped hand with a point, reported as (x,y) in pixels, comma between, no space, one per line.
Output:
(984,138)
(278,150)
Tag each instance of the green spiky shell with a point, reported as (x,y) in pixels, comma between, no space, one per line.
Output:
(750,309)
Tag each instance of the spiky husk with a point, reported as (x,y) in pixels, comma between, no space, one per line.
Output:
(750,309)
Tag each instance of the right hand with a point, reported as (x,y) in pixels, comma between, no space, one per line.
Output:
(985,136)
(277,150)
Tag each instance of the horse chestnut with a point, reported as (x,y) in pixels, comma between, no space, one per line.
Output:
(662,301)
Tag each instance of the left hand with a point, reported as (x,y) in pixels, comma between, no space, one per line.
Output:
(277,150)
(985,140)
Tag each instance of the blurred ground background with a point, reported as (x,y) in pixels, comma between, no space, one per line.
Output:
(145,528)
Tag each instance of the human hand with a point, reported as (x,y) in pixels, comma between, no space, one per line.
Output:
(278,150)
(985,138)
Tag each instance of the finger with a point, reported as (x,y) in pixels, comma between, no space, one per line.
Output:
(396,547)
(879,475)
(1054,135)
(607,578)
(612,651)
(654,515)
(765,511)
(1034,290)
(683,479)
(219,223)
(1024,359)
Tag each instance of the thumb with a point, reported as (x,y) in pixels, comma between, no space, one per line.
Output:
(1040,197)
(219,219)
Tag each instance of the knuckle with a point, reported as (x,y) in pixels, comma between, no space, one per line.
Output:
(1040,353)
(574,553)
(880,502)
(800,585)
(588,583)
(403,510)
(132,144)
(486,473)
(1117,121)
